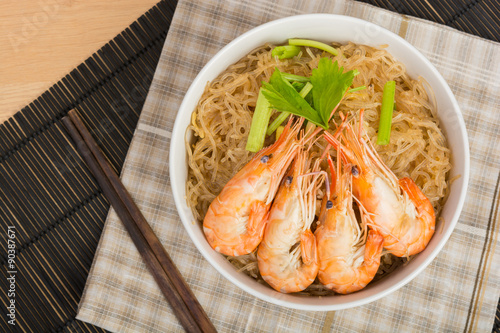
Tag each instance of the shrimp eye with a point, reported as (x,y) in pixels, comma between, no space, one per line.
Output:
(264,159)
(289,180)
(329,204)
(355,171)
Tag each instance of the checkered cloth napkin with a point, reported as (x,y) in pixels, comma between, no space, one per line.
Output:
(458,291)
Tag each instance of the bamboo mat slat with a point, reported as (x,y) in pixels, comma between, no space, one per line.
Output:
(49,195)
(46,190)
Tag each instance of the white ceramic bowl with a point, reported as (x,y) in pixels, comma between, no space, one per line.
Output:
(326,27)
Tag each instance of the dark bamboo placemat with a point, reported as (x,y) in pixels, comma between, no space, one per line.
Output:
(477,17)
(47,192)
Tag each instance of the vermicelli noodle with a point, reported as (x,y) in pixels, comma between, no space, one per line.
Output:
(222,119)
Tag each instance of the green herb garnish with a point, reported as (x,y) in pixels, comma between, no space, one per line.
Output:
(314,98)
(283,97)
(384,126)
(279,130)
(296,78)
(313,43)
(285,51)
(260,120)
(330,85)
(357,89)
(282,117)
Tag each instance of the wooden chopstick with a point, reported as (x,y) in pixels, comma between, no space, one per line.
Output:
(182,300)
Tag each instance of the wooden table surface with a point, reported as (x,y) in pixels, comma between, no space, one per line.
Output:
(41,41)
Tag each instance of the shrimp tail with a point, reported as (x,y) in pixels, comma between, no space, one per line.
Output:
(425,216)
(366,271)
(421,202)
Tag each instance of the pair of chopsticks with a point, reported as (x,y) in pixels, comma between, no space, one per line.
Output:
(182,300)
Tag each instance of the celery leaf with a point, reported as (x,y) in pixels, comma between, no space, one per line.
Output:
(330,84)
(284,98)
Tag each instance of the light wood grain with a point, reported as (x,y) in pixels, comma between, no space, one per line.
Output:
(43,40)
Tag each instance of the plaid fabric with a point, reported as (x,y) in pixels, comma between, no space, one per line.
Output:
(459,290)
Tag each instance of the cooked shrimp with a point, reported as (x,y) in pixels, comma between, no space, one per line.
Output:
(400,212)
(348,260)
(287,256)
(235,221)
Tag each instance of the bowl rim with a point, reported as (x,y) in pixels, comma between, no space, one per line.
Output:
(178,132)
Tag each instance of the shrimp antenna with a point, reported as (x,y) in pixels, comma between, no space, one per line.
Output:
(307,137)
(347,119)
(315,172)
(360,125)
(334,177)
(342,125)
(340,184)
(366,147)
(326,151)
(366,219)
(314,136)
(337,131)
(308,189)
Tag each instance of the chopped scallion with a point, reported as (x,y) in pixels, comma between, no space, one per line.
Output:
(293,77)
(298,85)
(260,120)
(304,91)
(384,126)
(285,51)
(313,43)
(357,89)
(279,130)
